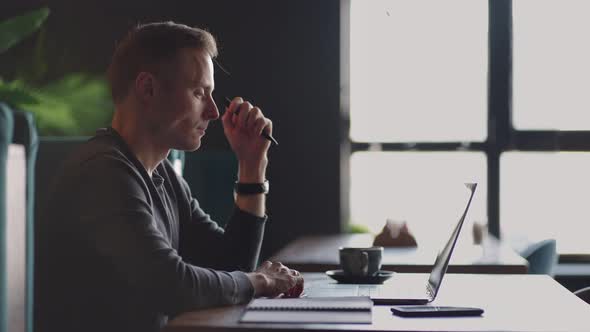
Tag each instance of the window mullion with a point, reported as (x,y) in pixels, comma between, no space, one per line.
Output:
(499,101)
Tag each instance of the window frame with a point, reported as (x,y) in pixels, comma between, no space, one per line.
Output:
(502,136)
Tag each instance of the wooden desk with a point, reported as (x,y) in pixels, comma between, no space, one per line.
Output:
(511,302)
(320,253)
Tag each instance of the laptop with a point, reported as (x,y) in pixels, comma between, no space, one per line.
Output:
(394,292)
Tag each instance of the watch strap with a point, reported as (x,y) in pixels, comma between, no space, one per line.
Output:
(252,188)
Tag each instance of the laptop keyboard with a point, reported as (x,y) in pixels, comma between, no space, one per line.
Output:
(340,292)
(367,290)
(331,289)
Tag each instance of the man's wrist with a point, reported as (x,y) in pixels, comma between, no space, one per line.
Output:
(252,173)
(259,282)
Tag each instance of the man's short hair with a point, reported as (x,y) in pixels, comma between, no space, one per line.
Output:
(147,47)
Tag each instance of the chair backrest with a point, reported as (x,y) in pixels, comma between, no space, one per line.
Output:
(51,155)
(584,294)
(177,158)
(542,257)
(6,128)
(16,237)
(25,134)
(211,176)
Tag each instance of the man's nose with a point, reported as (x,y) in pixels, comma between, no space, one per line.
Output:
(212,110)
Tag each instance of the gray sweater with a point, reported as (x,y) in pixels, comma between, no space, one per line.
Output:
(117,250)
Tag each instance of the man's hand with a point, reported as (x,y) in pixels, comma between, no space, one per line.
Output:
(275,279)
(242,125)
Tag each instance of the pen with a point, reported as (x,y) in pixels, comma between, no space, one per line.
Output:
(264,134)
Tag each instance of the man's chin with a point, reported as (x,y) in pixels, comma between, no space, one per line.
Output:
(193,147)
(188,146)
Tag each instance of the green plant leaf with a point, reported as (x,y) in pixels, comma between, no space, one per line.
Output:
(16,96)
(34,69)
(15,29)
(75,105)
(357,229)
(52,115)
(87,97)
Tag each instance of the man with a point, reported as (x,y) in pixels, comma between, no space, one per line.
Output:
(123,246)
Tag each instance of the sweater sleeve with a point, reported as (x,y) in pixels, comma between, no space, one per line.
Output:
(204,243)
(116,220)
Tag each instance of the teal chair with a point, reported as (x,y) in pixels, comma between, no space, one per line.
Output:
(583,294)
(177,158)
(51,155)
(25,133)
(211,176)
(6,129)
(541,256)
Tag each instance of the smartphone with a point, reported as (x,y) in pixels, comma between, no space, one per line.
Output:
(435,311)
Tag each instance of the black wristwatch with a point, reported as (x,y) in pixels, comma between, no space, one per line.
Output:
(251,188)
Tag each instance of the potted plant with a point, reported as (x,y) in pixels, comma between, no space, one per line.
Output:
(67,110)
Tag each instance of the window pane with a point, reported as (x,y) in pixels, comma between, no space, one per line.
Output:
(545,195)
(551,71)
(418,70)
(423,188)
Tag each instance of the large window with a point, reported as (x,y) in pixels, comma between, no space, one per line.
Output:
(419,79)
(425,189)
(551,64)
(444,92)
(418,70)
(545,195)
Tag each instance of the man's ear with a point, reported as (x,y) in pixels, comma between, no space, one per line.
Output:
(144,85)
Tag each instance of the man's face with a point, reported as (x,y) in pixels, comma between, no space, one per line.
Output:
(183,104)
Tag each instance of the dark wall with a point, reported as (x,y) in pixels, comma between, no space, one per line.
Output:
(283,56)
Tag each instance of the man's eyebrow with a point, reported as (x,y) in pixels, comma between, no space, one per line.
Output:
(199,84)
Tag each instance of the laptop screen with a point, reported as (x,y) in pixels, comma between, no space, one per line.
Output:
(442,259)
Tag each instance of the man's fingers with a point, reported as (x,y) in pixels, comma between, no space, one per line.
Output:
(297,289)
(253,118)
(245,112)
(258,126)
(290,293)
(299,280)
(300,284)
(235,104)
(235,110)
(265,265)
(227,118)
(261,125)
(281,280)
(268,127)
(280,268)
(243,116)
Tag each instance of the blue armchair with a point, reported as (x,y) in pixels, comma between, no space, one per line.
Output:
(25,133)
(584,294)
(6,128)
(542,256)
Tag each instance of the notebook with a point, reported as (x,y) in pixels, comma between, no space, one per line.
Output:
(348,310)
(418,292)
